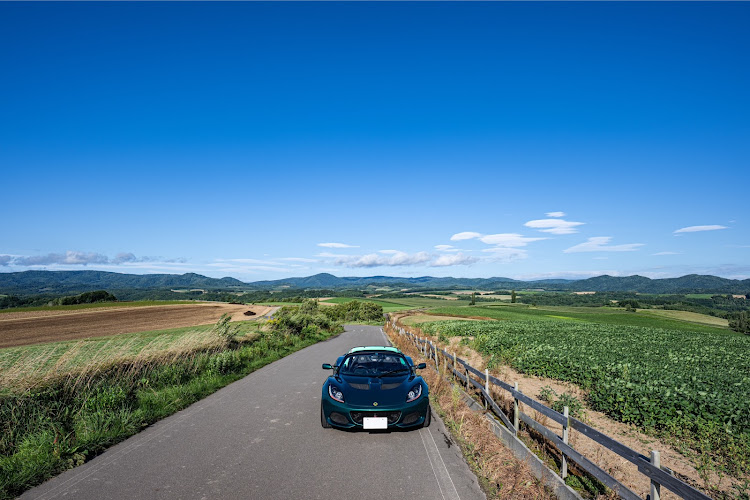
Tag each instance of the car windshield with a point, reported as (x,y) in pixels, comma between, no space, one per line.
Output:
(374,364)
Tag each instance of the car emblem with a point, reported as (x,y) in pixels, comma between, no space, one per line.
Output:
(375,404)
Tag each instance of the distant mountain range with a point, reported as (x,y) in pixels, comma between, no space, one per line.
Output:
(56,282)
(69,282)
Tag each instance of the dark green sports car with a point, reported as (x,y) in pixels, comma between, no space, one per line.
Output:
(374,388)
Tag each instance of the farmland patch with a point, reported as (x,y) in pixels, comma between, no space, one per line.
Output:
(688,385)
(25,328)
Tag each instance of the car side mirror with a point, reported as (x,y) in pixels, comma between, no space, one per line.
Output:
(327,366)
(421,365)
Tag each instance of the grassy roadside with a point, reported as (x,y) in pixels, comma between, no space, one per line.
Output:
(68,419)
(500,474)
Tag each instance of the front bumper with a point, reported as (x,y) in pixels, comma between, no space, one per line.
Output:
(406,416)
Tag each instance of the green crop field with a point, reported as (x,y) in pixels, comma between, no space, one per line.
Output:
(600,315)
(686,384)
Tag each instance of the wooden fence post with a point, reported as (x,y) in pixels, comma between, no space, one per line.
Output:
(564,468)
(655,487)
(515,410)
(455,368)
(486,386)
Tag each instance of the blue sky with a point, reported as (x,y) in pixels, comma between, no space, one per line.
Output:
(267,140)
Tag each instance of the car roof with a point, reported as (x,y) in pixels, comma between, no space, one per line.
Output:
(375,348)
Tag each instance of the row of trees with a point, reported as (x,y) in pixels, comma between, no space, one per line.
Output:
(12,301)
(85,298)
(717,305)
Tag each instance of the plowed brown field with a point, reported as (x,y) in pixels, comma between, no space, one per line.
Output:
(25,328)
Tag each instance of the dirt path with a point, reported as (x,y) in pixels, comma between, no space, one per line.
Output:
(34,327)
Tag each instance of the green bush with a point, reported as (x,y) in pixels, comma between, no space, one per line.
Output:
(355,310)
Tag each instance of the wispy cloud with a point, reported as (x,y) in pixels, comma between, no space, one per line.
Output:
(601,244)
(124,257)
(505,254)
(696,229)
(554,226)
(666,253)
(298,259)
(337,245)
(466,235)
(449,248)
(555,214)
(508,240)
(75,258)
(376,260)
(68,258)
(398,258)
(500,239)
(457,259)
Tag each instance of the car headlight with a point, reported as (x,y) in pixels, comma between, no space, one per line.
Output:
(414,393)
(335,393)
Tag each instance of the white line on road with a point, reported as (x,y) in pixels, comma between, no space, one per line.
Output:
(444,481)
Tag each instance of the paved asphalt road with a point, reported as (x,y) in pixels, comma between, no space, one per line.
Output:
(261,438)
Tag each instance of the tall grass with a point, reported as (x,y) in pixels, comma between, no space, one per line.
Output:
(26,368)
(59,409)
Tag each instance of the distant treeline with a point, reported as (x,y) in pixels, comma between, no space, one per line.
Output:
(717,305)
(291,295)
(86,298)
(10,301)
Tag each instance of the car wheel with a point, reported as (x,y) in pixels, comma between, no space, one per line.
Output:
(427,417)
(323,420)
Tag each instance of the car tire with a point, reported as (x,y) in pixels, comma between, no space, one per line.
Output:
(323,420)
(427,417)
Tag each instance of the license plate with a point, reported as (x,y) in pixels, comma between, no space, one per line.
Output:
(375,423)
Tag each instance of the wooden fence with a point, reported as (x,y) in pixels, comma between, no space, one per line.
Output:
(481,381)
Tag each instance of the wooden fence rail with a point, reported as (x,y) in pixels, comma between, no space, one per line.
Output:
(650,467)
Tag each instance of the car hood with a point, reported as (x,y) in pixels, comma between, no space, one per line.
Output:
(386,391)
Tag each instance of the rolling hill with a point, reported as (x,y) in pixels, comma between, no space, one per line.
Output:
(68,282)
